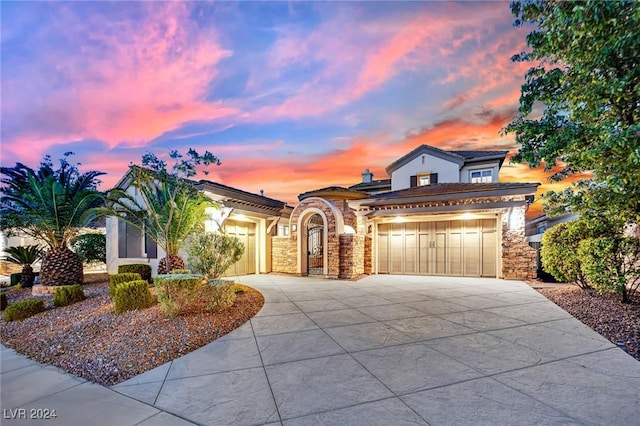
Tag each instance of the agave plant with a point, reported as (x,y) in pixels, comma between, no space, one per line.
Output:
(25,256)
(50,205)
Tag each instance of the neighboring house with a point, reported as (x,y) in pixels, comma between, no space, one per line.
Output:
(254,219)
(439,213)
(534,229)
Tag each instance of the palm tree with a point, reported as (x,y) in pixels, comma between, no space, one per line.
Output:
(24,256)
(50,205)
(167,209)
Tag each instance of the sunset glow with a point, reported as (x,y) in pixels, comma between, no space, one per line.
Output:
(291,96)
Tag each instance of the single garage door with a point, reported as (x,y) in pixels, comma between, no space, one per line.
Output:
(246,232)
(454,247)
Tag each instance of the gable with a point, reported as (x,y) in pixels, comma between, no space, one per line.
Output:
(434,153)
(440,169)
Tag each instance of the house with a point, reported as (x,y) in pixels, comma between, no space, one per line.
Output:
(439,213)
(253,218)
(535,228)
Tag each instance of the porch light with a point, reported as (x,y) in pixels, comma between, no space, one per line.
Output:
(467,216)
(348,229)
(399,219)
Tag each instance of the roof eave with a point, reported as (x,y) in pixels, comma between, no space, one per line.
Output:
(525,189)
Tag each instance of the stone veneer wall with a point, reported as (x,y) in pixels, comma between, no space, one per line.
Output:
(351,255)
(283,255)
(519,260)
(368,255)
(333,256)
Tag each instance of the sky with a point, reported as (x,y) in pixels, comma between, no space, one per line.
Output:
(291,96)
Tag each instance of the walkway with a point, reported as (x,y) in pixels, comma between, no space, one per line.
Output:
(383,350)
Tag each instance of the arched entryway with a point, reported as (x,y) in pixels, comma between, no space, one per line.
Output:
(315,245)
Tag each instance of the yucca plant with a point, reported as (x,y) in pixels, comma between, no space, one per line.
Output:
(50,205)
(25,256)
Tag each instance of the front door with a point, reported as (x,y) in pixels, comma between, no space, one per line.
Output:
(315,251)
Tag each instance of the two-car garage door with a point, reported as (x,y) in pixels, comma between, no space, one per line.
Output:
(454,247)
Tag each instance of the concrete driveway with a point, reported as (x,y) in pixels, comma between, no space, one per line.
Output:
(391,350)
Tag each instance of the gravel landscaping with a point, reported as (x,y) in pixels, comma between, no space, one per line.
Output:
(89,340)
(620,323)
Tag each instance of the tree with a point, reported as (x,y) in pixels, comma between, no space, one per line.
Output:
(50,205)
(90,247)
(25,256)
(166,206)
(586,80)
(211,254)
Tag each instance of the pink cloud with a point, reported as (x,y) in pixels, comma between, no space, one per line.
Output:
(126,81)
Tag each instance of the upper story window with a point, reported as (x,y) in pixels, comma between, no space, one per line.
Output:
(482,176)
(423,179)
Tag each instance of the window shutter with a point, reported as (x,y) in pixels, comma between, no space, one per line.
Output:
(413,182)
(152,247)
(122,239)
(433,178)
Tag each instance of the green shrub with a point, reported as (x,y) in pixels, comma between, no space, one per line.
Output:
(116,279)
(180,271)
(23,309)
(220,294)
(3,301)
(178,292)
(68,295)
(140,268)
(559,252)
(612,264)
(211,254)
(90,247)
(133,295)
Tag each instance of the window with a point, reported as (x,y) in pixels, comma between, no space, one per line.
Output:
(482,176)
(132,243)
(423,179)
(283,230)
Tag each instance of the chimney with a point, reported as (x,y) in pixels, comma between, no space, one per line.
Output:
(367,176)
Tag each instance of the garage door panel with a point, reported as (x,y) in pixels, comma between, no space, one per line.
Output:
(440,267)
(472,252)
(383,253)
(246,233)
(455,254)
(489,253)
(395,249)
(423,254)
